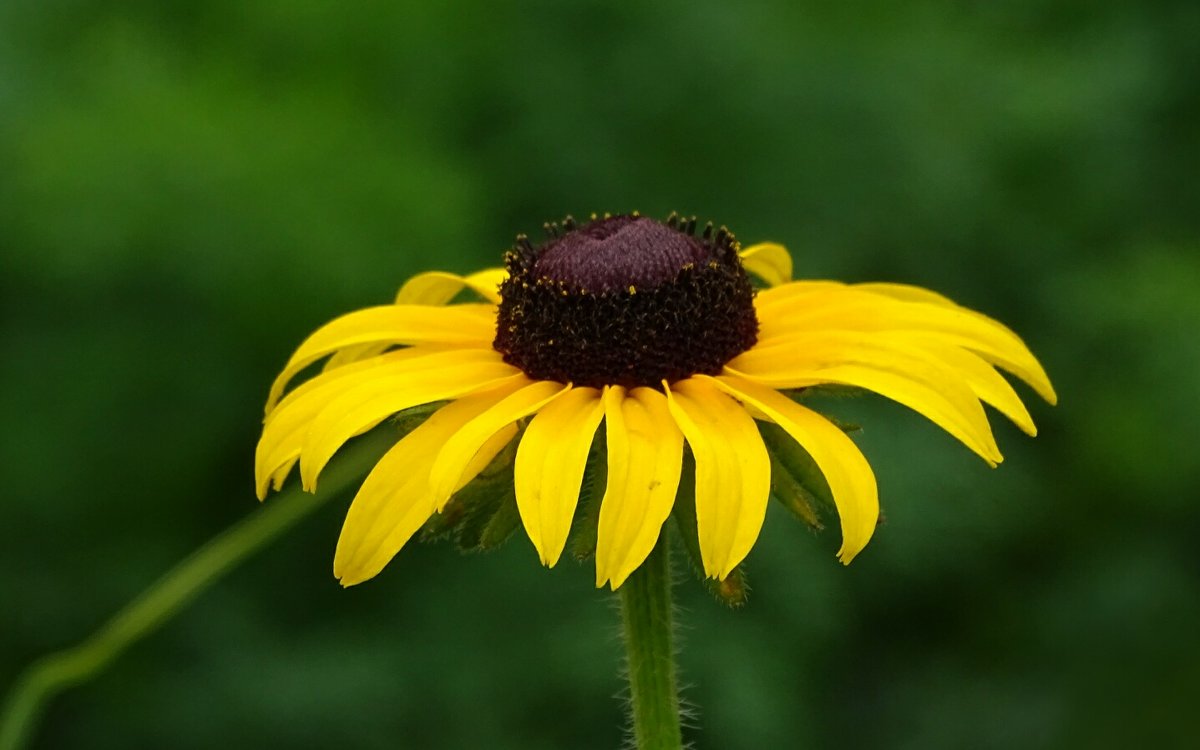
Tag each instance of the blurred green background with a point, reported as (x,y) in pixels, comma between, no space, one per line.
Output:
(187,189)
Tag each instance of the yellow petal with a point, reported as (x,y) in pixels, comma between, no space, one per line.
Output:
(878,363)
(485,454)
(456,454)
(838,307)
(432,288)
(550,464)
(395,500)
(645,452)
(279,476)
(769,262)
(284,429)
(401,359)
(850,479)
(439,287)
(358,409)
(733,472)
(353,354)
(1019,356)
(767,300)
(987,384)
(391,324)
(907,293)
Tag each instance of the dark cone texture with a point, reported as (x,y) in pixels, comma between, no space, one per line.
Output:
(625,300)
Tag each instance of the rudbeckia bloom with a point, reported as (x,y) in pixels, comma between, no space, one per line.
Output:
(654,331)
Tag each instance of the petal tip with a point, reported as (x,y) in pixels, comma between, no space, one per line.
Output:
(352,575)
(616,581)
(262,486)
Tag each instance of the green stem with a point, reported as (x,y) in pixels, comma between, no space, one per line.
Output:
(646,616)
(55,672)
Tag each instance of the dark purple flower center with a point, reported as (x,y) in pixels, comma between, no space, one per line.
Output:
(616,252)
(625,300)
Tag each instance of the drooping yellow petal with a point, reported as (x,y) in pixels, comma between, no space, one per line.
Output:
(769,262)
(390,324)
(880,364)
(358,409)
(645,451)
(733,472)
(1011,353)
(396,499)
(987,384)
(850,479)
(439,287)
(284,429)
(550,464)
(829,306)
(454,457)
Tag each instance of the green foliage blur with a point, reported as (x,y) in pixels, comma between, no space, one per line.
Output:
(187,189)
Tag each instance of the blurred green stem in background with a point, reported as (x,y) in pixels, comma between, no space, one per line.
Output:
(55,672)
(647,622)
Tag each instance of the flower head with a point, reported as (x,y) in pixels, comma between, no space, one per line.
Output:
(654,331)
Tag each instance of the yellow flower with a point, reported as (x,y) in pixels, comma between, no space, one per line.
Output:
(655,332)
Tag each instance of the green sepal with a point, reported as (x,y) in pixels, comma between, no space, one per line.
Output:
(505,521)
(585,525)
(465,515)
(825,390)
(831,391)
(410,419)
(796,481)
(734,591)
(795,497)
(483,514)
(479,508)
(847,427)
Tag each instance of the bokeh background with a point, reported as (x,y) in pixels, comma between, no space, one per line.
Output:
(187,189)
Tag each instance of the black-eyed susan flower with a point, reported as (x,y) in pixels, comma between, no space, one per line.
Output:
(652,334)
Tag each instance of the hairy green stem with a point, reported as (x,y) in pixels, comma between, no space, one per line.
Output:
(646,616)
(55,672)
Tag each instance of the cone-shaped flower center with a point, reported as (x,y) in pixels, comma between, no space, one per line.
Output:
(625,300)
(618,252)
